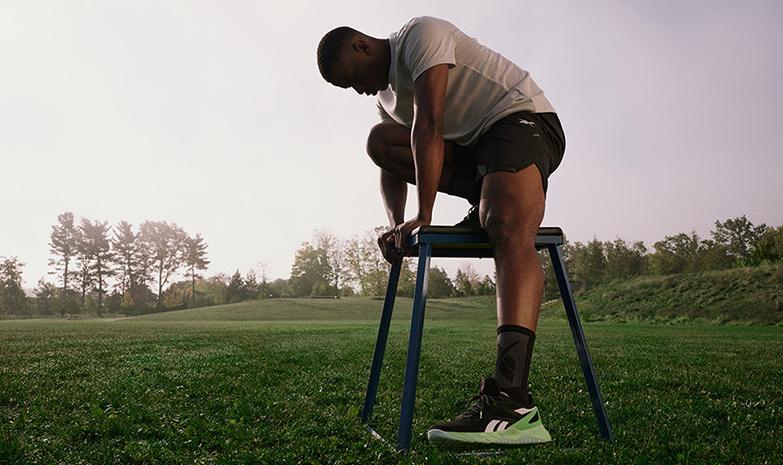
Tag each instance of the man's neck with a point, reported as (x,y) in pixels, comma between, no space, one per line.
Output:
(385,48)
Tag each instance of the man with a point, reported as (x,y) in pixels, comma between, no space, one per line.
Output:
(458,118)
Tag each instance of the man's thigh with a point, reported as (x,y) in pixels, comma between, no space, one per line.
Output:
(513,204)
(389,146)
(389,135)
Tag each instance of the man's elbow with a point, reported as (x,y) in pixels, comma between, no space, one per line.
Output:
(429,124)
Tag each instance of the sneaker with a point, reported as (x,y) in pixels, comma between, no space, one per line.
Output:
(493,420)
(472,219)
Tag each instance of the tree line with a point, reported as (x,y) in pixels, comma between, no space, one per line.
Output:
(98,267)
(732,243)
(129,270)
(332,266)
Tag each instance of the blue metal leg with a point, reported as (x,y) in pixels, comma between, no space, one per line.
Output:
(380,345)
(414,349)
(581,345)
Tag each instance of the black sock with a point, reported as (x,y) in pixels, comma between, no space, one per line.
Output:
(512,366)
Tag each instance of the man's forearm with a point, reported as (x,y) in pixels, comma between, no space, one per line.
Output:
(429,103)
(394,193)
(427,144)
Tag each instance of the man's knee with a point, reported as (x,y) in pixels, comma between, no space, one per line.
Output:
(509,225)
(375,143)
(507,228)
(512,206)
(383,138)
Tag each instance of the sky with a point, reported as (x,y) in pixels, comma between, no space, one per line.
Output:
(212,115)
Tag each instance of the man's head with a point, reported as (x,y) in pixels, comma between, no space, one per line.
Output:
(349,59)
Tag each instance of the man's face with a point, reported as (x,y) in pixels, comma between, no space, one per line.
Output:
(359,69)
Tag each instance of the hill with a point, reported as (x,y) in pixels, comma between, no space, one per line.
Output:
(739,296)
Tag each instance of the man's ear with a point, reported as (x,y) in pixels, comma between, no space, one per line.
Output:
(362,46)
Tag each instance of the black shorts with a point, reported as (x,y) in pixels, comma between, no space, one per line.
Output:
(511,144)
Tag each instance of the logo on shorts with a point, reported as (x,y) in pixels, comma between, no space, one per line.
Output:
(529,123)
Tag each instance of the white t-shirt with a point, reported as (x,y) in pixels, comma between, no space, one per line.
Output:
(483,86)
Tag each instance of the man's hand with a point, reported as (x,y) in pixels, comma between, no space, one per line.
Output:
(402,233)
(394,243)
(391,253)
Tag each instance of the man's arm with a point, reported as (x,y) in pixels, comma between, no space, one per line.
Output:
(394,192)
(429,104)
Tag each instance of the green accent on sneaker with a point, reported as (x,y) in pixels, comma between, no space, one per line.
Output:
(520,433)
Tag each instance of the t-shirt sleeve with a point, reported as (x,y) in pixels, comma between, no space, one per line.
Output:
(429,42)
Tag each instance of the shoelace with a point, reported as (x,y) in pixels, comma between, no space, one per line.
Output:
(472,211)
(479,402)
(471,219)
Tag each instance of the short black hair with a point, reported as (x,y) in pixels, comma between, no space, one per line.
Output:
(331,48)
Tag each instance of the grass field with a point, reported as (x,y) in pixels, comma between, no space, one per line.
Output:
(283,382)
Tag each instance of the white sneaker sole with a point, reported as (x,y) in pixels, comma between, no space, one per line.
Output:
(454,440)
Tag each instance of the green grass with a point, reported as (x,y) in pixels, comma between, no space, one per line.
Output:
(353,308)
(283,382)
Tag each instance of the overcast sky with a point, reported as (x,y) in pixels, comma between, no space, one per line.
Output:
(212,115)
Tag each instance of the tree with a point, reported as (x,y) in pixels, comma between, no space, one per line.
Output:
(486,286)
(124,245)
(624,260)
(165,244)
(177,296)
(369,271)
(713,256)
(738,236)
(83,269)
(310,271)
(439,284)
(132,263)
(466,281)
(241,289)
(588,263)
(406,286)
(365,266)
(263,267)
(64,238)
(769,248)
(96,249)
(213,290)
(195,258)
(334,248)
(12,297)
(677,254)
(264,287)
(252,287)
(46,298)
